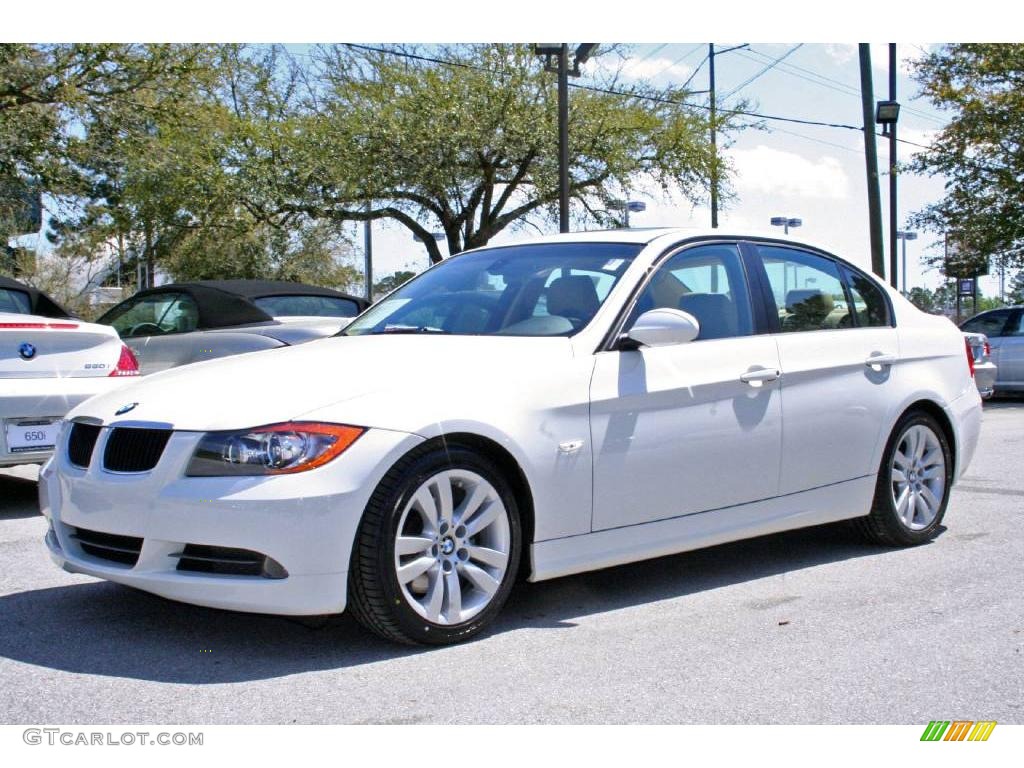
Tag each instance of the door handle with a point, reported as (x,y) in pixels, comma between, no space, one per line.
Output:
(877,361)
(758,377)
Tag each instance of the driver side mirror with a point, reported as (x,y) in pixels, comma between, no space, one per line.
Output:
(661,327)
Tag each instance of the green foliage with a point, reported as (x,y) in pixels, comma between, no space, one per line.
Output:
(923,299)
(391,282)
(229,160)
(472,149)
(980,151)
(1015,291)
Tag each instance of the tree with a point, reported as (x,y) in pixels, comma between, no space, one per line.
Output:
(980,152)
(391,282)
(53,96)
(464,139)
(1015,295)
(923,299)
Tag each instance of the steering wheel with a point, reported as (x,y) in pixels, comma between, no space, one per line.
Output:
(145,329)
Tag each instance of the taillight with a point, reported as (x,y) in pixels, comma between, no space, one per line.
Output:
(127,365)
(970,355)
(988,350)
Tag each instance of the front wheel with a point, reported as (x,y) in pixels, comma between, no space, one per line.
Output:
(914,482)
(437,550)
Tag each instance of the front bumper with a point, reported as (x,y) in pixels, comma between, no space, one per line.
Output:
(306,522)
(46,398)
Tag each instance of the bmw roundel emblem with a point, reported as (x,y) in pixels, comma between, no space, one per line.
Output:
(26,350)
(125,409)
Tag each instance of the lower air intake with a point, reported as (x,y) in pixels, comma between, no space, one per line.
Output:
(227,561)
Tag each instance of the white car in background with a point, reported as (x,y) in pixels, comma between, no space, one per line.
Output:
(49,364)
(552,407)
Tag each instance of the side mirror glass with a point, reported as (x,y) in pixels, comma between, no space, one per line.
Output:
(660,327)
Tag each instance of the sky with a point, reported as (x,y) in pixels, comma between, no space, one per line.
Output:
(812,173)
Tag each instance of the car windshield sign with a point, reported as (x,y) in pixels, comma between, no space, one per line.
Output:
(553,289)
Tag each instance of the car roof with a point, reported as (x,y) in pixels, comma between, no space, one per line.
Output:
(40,303)
(228,303)
(254,289)
(647,235)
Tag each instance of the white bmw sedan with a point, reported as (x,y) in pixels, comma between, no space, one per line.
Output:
(547,408)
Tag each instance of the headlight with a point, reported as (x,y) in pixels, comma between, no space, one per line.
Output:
(276,449)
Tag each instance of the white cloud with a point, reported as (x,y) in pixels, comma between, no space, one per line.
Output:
(634,68)
(906,55)
(918,136)
(771,171)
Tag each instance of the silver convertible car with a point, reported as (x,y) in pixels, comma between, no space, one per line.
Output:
(184,323)
(541,408)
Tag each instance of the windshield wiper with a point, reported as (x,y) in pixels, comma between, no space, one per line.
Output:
(409,329)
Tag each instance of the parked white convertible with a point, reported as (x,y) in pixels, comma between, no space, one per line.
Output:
(547,408)
(49,364)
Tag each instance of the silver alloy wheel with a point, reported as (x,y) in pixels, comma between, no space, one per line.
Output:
(918,477)
(453,545)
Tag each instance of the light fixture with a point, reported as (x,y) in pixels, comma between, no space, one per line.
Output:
(785,222)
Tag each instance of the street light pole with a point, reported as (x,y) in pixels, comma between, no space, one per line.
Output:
(904,236)
(563,138)
(560,51)
(714,139)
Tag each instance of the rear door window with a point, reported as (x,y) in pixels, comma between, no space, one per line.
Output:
(870,308)
(807,288)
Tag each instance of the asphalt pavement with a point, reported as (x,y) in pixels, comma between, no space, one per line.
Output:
(810,626)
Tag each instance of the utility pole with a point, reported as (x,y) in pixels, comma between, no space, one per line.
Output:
(714,138)
(368,252)
(551,51)
(893,275)
(871,162)
(712,112)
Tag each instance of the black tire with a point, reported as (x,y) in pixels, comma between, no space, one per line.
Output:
(884,525)
(376,597)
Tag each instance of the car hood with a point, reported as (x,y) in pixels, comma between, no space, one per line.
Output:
(364,380)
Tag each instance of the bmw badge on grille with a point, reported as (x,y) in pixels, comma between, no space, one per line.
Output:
(125,408)
(26,350)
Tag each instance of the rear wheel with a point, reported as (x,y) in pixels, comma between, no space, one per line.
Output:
(437,550)
(913,486)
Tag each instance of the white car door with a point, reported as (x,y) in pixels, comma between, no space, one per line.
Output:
(691,427)
(838,354)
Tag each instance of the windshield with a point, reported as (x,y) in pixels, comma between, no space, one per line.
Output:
(552,289)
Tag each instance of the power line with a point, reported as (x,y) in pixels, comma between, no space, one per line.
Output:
(827,82)
(650,53)
(686,55)
(660,99)
(768,68)
(694,73)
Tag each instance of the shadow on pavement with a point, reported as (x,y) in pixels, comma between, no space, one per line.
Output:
(1005,402)
(99,628)
(19,498)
